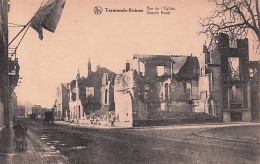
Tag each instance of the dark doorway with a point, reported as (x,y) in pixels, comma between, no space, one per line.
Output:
(255,104)
(236,116)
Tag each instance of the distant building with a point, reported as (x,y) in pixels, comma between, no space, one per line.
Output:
(38,110)
(20,111)
(62,101)
(156,87)
(227,70)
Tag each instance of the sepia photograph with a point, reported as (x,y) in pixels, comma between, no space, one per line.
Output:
(129,82)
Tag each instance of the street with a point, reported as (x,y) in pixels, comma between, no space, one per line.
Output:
(182,144)
(131,82)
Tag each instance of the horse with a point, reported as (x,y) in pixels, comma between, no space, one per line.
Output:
(49,117)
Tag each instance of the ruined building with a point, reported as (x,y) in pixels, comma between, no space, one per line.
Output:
(92,94)
(156,87)
(254,73)
(229,84)
(20,111)
(62,101)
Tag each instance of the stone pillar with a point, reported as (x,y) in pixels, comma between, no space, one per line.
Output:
(226,116)
(228,97)
(242,98)
(246,116)
(248,96)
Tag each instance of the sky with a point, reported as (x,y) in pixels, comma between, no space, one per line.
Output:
(108,40)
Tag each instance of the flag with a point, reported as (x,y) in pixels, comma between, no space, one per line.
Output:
(48,16)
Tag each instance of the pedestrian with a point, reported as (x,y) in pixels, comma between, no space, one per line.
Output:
(20,135)
(14,121)
(113,120)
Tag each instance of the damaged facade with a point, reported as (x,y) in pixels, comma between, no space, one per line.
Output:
(153,88)
(62,101)
(156,87)
(229,85)
(92,94)
(254,73)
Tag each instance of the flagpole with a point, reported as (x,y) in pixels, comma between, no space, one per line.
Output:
(20,32)
(20,41)
(24,27)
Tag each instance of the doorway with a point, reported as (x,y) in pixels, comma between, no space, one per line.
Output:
(236,116)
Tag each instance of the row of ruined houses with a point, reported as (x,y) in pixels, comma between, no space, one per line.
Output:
(153,87)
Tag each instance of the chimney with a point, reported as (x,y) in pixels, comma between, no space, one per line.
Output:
(127,67)
(89,66)
(207,55)
(223,40)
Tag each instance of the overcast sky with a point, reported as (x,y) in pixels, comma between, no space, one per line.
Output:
(108,39)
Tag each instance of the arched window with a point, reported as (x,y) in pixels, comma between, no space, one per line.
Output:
(106,96)
(105,77)
(79,112)
(211,82)
(166,87)
(142,68)
(234,65)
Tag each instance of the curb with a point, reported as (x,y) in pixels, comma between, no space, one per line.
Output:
(160,127)
(219,138)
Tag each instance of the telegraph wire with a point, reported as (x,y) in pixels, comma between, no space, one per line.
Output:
(15,25)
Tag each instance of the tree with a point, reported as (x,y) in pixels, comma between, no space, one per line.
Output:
(234,17)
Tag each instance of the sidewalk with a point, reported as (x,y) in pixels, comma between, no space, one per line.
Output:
(178,126)
(89,125)
(37,151)
(248,133)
